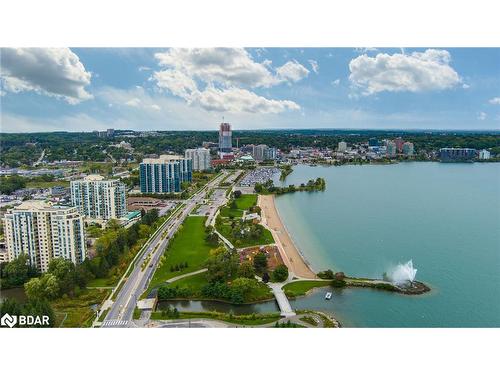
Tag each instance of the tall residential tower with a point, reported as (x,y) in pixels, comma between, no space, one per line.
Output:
(225,138)
(44,232)
(200,157)
(165,174)
(98,198)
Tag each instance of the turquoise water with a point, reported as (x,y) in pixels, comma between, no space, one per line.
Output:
(446,217)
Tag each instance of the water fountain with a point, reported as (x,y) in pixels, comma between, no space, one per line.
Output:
(403,274)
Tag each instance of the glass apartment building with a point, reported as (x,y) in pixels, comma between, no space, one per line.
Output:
(43,232)
(165,174)
(450,154)
(98,198)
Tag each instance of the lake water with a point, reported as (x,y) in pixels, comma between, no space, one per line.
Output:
(446,217)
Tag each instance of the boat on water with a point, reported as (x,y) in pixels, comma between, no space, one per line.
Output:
(328,295)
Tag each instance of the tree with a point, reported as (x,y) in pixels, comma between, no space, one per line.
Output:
(328,274)
(237,193)
(260,262)
(10,306)
(246,270)
(265,277)
(222,265)
(64,271)
(280,273)
(18,271)
(40,307)
(44,287)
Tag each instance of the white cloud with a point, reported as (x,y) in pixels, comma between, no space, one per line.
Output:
(495,100)
(228,66)
(55,72)
(418,71)
(336,82)
(465,86)
(218,79)
(240,100)
(176,82)
(134,102)
(314,66)
(292,71)
(143,68)
(481,116)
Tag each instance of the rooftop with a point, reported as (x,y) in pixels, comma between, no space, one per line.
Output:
(162,159)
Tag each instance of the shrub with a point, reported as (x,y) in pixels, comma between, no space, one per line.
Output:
(280,273)
(328,274)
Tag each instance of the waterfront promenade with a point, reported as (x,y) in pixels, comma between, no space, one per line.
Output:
(290,254)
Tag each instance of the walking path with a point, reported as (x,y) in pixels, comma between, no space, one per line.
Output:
(281,298)
(186,275)
(290,254)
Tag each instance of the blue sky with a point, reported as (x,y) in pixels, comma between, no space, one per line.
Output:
(84,89)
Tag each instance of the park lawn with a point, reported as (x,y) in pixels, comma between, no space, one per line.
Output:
(195,282)
(230,212)
(259,294)
(189,246)
(300,288)
(265,238)
(245,201)
(46,184)
(77,310)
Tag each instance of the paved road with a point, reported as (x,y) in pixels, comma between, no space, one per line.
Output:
(122,309)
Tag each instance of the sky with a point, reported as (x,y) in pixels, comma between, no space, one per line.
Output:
(85,89)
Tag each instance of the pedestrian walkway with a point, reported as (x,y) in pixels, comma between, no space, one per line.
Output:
(281,298)
(114,323)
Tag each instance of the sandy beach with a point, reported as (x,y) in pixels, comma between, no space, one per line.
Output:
(291,255)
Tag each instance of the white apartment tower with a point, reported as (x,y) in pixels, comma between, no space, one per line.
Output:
(342,147)
(43,232)
(98,198)
(200,158)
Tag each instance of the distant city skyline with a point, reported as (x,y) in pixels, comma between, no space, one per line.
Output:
(86,89)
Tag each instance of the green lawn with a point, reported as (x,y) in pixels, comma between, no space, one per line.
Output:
(265,238)
(187,246)
(195,282)
(230,212)
(300,288)
(46,184)
(245,201)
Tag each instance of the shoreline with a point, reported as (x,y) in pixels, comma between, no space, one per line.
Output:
(290,253)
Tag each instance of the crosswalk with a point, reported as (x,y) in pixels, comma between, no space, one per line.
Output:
(114,323)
